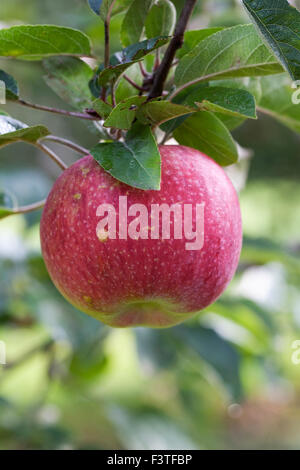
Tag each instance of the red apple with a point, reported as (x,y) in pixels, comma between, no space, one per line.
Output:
(148,282)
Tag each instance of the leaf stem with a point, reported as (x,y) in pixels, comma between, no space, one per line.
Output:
(58,111)
(161,73)
(143,71)
(67,143)
(51,154)
(135,85)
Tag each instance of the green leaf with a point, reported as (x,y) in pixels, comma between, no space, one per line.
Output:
(4,212)
(134,20)
(12,130)
(277,101)
(33,42)
(215,351)
(161,19)
(241,310)
(205,132)
(279,25)
(5,204)
(11,86)
(95,5)
(183,99)
(192,39)
(135,162)
(124,89)
(157,112)
(232,52)
(229,101)
(102,108)
(101,7)
(69,77)
(122,116)
(120,61)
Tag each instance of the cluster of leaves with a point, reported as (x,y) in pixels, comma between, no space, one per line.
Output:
(220,76)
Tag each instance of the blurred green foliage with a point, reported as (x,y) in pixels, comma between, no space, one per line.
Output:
(222,380)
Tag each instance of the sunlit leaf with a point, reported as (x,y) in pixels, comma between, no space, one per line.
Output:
(122,116)
(12,130)
(232,52)
(279,24)
(34,42)
(192,39)
(158,112)
(135,162)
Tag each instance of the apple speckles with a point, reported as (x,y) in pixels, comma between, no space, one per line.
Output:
(85,170)
(77,196)
(112,273)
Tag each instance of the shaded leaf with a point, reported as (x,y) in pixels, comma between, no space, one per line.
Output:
(101,7)
(155,348)
(134,20)
(161,19)
(279,24)
(182,98)
(215,351)
(11,86)
(69,77)
(120,61)
(135,162)
(124,89)
(95,5)
(277,101)
(232,52)
(122,116)
(205,132)
(6,204)
(33,42)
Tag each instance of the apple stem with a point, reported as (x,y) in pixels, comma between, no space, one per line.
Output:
(59,111)
(160,75)
(51,154)
(67,143)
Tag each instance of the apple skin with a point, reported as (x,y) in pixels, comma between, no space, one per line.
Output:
(154,283)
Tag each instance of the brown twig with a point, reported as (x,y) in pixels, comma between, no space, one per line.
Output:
(51,154)
(143,71)
(161,74)
(29,208)
(67,143)
(135,85)
(64,112)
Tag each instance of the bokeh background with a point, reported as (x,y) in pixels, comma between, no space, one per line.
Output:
(225,380)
